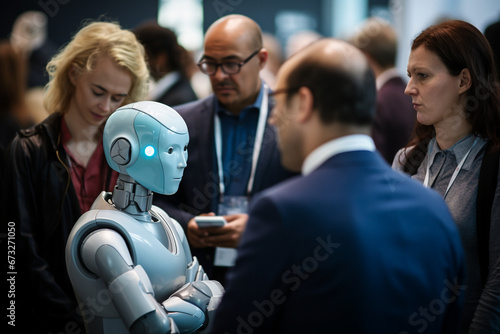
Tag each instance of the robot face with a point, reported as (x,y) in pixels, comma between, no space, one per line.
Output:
(148,141)
(173,156)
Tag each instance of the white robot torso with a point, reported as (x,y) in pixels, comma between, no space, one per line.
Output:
(159,247)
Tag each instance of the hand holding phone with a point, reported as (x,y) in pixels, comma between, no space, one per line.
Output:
(210,221)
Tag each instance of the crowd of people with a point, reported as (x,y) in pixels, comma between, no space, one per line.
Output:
(355,200)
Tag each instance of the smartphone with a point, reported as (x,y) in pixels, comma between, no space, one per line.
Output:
(210,221)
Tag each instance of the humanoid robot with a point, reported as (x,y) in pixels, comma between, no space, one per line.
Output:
(129,263)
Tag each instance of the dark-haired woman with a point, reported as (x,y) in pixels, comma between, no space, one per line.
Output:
(456,94)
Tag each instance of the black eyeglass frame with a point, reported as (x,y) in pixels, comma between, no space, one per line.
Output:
(221,65)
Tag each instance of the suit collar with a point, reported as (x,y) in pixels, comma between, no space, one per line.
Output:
(164,84)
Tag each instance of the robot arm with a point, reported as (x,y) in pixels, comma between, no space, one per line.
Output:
(199,280)
(192,306)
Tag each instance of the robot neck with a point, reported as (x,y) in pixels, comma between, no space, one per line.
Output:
(133,198)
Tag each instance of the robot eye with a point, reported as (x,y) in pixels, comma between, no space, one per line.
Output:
(149,150)
(185,148)
(170,150)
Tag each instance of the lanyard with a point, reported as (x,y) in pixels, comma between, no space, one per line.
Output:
(455,173)
(261,125)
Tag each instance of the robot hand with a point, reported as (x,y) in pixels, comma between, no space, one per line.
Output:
(192,306)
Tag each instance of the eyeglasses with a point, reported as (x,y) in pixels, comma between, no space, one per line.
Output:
(228,67)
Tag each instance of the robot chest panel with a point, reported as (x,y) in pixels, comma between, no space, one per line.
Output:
(162,258)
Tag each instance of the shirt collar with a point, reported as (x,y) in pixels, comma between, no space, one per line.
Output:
(256,104)
(459,149)
(386,76)
(164,84)
(334,147)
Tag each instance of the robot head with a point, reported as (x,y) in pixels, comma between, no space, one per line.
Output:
(147,141)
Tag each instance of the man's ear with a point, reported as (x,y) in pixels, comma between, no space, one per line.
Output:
(306,104)
(465,81)
(263,56)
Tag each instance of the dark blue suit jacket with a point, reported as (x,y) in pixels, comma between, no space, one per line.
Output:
(199,189)
(354,247)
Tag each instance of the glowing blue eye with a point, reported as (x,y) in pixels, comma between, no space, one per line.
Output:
(149,150)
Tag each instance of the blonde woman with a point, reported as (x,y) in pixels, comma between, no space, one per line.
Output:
(56,169)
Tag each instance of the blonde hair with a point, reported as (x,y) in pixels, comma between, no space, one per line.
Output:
(94,39)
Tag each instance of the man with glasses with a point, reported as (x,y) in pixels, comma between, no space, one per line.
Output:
(345,248)
(232,150)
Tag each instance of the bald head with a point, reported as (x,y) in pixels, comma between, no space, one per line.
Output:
(340,78)
(335,55)
(235,39)
(239,27)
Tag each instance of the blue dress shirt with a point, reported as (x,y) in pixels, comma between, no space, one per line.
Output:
(238,137)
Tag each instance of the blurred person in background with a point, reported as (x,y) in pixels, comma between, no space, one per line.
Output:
(300,40)
(492,34)
(395,116)
(169,64)
(30,38)
(13,115)
(274,61)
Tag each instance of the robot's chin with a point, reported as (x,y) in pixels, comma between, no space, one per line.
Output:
(172,187)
